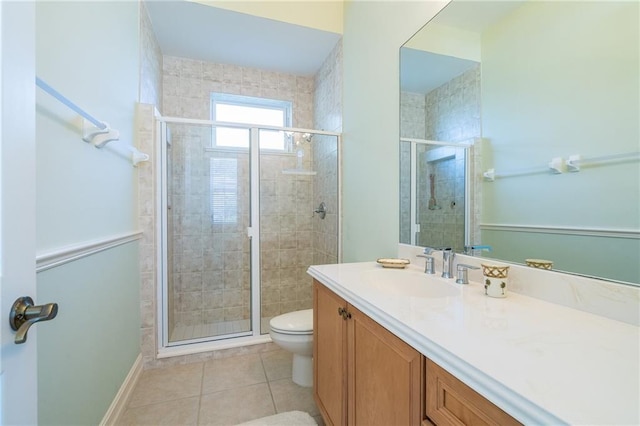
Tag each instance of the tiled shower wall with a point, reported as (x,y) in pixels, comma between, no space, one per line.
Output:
(412,115)
(453,109)
(146,142)
(150,61)
(150,97)
(328,117)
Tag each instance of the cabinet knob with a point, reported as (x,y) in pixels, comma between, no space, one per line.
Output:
(344,313)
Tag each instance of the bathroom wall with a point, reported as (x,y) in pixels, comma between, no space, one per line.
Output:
(547,95)
(373,34)
(88,52)
(328,117)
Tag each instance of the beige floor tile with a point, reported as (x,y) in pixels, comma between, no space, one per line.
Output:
(277,364)
(181,412)
(235,406)
(167,384)
(289,397)
(234,372)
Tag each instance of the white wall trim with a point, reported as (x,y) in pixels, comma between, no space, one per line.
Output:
(119,404)
(564,230)
(66,254)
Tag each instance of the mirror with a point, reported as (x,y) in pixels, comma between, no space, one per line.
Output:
(434,205)
(547,96)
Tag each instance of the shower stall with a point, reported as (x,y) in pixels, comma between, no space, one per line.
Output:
(434,195)
(240,224)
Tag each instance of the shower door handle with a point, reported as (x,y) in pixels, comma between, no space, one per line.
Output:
(24,314)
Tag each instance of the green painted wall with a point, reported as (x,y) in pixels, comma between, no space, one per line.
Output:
(561,78)
(373,34)
(89,52)
(85,354)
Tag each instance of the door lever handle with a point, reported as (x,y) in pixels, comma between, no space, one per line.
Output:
(24,314)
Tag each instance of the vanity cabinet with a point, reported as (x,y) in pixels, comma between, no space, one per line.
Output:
(363,374)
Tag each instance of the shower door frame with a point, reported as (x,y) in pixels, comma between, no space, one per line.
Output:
(415,226)
(191,346)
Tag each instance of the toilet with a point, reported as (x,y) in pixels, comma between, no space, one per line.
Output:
(293,332)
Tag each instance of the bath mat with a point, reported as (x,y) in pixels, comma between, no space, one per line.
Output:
(290,418)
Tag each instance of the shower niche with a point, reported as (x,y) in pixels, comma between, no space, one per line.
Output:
(239,229)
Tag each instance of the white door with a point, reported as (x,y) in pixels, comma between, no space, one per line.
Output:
(18,363)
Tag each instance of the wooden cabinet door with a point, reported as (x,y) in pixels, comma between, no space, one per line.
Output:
(385,375)
(449,402)
(329,355)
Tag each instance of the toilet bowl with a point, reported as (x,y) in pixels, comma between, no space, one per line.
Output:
(294,332)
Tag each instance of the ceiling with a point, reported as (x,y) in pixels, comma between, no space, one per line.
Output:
(422,71)
(197,31)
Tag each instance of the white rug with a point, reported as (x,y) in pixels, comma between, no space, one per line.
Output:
(290,418)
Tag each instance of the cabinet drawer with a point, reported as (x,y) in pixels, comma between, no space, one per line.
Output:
(451,402)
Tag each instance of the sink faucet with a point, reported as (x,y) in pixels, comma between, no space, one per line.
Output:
(447,259)
(428,263)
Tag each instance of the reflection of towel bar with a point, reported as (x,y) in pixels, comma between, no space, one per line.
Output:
(559,165)
(575,161)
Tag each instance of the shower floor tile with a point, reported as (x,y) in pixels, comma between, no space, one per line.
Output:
(223,391)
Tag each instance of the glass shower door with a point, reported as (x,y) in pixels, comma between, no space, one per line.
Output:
(207,202)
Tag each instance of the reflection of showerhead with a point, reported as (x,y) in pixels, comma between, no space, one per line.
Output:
(304,137)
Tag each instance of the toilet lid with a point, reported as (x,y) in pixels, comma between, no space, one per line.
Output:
(293,322)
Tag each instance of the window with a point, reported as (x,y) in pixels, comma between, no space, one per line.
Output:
(224,190)
(251,111)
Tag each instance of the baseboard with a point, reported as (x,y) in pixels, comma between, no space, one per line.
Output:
(121,399)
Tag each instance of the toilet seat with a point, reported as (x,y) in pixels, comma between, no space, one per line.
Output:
(297,322)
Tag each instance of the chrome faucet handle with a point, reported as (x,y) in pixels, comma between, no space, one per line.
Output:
(462,275)
(428,264)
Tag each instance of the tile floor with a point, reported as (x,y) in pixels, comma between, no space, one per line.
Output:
(224,391)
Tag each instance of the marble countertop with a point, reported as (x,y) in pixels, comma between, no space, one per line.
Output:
(540,362)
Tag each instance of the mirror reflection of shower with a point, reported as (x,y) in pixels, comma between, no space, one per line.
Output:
(434,194)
